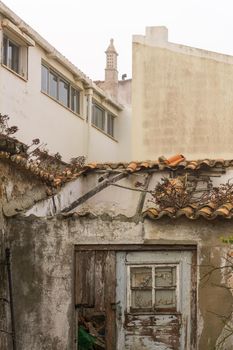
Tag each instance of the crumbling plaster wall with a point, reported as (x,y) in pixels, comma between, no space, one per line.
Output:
(43,258)
(214,300)
(42,253)
(3,311)
(43,263)
(18,191)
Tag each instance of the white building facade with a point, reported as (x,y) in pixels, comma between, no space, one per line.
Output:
(49,98)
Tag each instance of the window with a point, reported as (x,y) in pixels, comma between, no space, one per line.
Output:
(14,56)
(98,117)
(153,288)
(110,124)
(75,100)
(103,119)
(61,90)
(44,79)
(53,86)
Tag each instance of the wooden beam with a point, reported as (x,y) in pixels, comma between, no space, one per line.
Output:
(94,191)
(155,246)
(143,197)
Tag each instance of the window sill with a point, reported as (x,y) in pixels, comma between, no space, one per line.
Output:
(103,132)
(61,104)
(15,73)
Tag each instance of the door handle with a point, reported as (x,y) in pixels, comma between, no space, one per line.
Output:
(117,307)
(114,305)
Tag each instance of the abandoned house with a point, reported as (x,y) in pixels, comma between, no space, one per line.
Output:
(115,255)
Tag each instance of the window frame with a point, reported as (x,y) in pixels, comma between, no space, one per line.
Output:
(106,114)
(97,106)
(112,116)
(57,96)
(153,309)
(76,110)
(22,55)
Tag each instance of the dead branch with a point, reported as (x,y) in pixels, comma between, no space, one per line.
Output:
(214,269)
(131,189)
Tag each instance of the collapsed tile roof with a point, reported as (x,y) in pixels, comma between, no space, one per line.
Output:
(57,179)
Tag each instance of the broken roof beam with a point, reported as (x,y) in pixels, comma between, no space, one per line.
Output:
(94,191)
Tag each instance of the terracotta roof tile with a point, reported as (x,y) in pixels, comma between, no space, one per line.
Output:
(208,211)
(132,167)
(173,163)
(175,160)
(157,165)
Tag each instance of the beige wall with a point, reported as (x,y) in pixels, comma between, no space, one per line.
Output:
(124,91)
(182,99)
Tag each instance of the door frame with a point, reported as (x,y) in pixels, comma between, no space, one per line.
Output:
(159,247)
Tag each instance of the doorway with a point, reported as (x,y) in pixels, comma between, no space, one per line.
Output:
(138,296)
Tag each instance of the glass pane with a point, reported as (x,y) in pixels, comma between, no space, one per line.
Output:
(53,85)
(44,79)
(74,100)
(5,48)
(141,299)
(165,299)
(63,92)
(13,57)
(98,118)
(165,276)
(110,130)
(141,277)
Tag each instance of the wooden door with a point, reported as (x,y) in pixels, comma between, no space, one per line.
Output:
(95,287)
(153,297)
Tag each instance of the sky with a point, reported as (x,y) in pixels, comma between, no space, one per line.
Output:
(81,29)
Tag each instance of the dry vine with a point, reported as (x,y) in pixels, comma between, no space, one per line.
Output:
(221,195)
(35,153)
(180,192)
(226,320)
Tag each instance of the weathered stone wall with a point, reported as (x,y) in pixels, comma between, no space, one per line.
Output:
(214,300)
(18,191)
(3,310)
(42,263)
(43,253)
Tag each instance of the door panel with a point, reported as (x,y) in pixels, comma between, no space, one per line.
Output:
(95,294)
(153,300)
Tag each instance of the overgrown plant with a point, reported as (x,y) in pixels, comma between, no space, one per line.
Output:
(36,153)
(5,129)
(180,192)
(221,195)
(173,193)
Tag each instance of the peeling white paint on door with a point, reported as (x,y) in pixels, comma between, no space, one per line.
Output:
(153,300)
